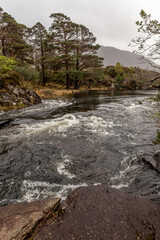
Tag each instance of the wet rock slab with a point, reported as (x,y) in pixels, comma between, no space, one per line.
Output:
(153,161)
(102,213)
(19,220)
(95,212)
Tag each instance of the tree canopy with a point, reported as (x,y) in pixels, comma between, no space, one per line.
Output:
(66,52)
(12,37)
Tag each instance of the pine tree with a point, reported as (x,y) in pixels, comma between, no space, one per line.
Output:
(38,35)
(12,38)
(62,32)
(85,52)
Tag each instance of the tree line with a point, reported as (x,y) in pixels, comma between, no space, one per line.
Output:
(66,52)
(132,78)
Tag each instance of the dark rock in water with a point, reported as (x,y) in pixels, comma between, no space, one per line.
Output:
(4,122)
(157,159)
(15,96)
(150,161)
(154,161)
(99,212)
(17,221)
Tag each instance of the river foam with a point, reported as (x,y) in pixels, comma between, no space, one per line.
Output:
(34,190)
(45,105)
(61,167)
(94,124)
(125,176)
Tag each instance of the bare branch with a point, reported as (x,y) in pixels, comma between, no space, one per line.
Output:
(154,79)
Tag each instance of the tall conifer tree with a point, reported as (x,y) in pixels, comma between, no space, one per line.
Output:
(63,33)
(85,51)
(38,36)
(12,37)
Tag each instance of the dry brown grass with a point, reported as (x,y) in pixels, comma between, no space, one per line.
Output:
(49,93)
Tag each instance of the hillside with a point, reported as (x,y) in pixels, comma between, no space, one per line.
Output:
(112,55)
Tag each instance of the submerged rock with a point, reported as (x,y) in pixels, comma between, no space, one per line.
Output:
(17,221)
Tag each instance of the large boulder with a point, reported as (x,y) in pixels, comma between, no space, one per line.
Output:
(99,212)
(95,212)
(17,221)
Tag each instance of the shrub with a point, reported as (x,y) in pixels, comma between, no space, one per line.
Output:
(7,75)
(6,65)
(28,73)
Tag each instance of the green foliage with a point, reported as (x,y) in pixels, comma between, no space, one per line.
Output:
(38,38)
(130,78)
(62,55)
(58,77)
(118,81)
(12,35)
(74,48)
(119,69)
(28,73)
(62,32)
(110,71)
(6,71)
(6,64)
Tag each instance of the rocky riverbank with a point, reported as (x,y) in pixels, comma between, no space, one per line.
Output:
(96,212)
(14,96)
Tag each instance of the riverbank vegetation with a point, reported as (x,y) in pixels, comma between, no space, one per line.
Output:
(129,78)
(64,55)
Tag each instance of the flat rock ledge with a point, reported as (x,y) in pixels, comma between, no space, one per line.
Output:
(94,212)
(17,221)
(103,213)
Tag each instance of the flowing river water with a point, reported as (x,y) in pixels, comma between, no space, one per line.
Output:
(87,138)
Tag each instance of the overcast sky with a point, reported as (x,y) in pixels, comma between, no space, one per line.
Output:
(111,21)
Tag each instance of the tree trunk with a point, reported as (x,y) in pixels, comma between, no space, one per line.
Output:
(67,81)
(76,76)
(3,47)
(76,83)
(67,76)
(42,65)
(43,75)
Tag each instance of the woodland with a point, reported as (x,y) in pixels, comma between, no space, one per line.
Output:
(66,55)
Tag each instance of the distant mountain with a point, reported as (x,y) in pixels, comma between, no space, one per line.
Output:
(112,55)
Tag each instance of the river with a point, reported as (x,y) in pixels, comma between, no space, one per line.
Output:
(87,138)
